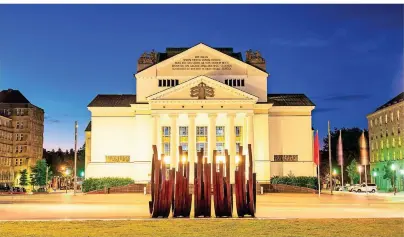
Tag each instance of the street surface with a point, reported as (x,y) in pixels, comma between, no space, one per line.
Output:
(62,206)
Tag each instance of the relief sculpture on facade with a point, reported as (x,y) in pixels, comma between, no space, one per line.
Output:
(254,57)
(202,91)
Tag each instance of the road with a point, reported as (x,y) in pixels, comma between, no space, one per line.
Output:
(63,206)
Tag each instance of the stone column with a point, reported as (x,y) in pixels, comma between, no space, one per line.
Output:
(245,136)
(232,143)
(191,145)
(211,136)
(154,129)
(174,140)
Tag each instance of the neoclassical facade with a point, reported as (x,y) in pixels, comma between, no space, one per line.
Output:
(199,97)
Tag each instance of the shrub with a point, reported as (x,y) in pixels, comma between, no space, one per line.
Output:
(107,182)
(300,181)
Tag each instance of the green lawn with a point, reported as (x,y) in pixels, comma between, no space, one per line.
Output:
(208,227)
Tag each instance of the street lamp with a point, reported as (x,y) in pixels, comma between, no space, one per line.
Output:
(393,168)
(360,174)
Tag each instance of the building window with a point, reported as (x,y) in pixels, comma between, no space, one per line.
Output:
(394,142)
(239,137)
(385,120)
(202,139)
(371,123)
(165,139)
(398,115)
(22,125)
(168,82)
(183,134)
(380,120)
(234,82)
(220,139)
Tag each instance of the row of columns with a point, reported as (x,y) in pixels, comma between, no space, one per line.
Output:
(230,136)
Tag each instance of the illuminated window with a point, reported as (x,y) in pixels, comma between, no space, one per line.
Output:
(381,144)
(387,143)
(239,137)
(394,142)
(371,123)
(220,139)
(398,114)
(165,140)
(385,120)
(380,120)
(183,138)
(202,139)
(391,116)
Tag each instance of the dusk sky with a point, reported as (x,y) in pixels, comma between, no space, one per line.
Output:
(348,59)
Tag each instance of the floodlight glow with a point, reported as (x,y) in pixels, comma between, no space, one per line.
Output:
(360,169)
(402,172)
(82,174)
(184,159)
(67,172)
(393,167)
(374,174)
(167,159)
(220,159)
(237,159)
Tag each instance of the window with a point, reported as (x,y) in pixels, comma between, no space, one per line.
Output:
(183,134)
(385,120)
(371,123)
(242,82)
(168,82)
(202,139)
(398,114)
(18,125)
(391,117)
(22,125)
(20,161)
(239,137)
(166,135)
(234,82)
(394,142)
(380,120)
(220,139)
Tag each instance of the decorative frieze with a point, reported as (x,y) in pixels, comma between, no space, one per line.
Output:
(285,158)
(117,159)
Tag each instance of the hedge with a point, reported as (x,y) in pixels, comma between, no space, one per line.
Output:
(300,181)
(92,184)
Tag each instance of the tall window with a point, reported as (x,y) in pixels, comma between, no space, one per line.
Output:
(202,139)
(184,138)
(220,139)
(165,139)
(239,137)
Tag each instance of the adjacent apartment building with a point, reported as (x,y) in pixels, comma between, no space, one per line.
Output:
(386,143)
(21,135)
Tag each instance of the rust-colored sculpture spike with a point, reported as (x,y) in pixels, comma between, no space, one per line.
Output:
(245,193)
(182,198)
(162,188)
(202,187)
(222,191)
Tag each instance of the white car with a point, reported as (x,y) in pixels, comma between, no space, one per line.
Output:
(372,188)
(351,188)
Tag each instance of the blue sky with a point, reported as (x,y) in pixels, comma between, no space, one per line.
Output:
(347,58)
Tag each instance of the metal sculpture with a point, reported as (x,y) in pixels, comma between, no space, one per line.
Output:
(162,186)
(245,193)
(202,186)
(182,198)
(222,190)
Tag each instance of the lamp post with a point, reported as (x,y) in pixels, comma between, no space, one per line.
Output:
(75,157)
(360,174)
(334,173)
(393,168)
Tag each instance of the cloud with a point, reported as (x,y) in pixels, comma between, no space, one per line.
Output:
(352,97)
(51,120)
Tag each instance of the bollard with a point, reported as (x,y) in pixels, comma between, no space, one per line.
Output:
(262,190)
(144,190)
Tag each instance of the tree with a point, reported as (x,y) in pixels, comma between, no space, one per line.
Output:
(24,178)
(350,142)
(39,173)
(352,170)
(389,173)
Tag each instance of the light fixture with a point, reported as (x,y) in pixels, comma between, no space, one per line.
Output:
(393,167)
(184,159)
(374,174)
(402,172)
(82,174)
(334,172)
(360,168)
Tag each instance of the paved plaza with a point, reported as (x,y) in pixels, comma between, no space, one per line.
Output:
(62,206)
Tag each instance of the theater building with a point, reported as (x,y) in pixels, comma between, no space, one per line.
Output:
(199,97)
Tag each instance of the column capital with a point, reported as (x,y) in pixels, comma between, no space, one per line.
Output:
(231,115)
(212,115)
(173,116)
(250,114)
(191,115)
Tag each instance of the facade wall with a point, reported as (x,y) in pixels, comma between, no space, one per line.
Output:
(386,141)
(27,127)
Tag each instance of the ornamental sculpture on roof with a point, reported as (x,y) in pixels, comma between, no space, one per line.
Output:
(254,57)
(148,58)
(202,91)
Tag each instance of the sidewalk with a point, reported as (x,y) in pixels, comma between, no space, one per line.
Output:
(377,194)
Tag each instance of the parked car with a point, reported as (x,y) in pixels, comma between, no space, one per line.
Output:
(362,188)
(350,188)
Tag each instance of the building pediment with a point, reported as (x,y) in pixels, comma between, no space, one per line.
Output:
(204,90)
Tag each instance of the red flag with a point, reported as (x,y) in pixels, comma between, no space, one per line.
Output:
(340,150)
(363,149)
(316,150)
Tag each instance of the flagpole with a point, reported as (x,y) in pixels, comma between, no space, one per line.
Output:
(329,154)
(318,166)
(342,164)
